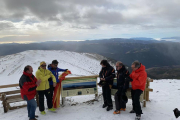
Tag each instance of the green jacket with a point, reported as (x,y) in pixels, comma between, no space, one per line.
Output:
(44,75)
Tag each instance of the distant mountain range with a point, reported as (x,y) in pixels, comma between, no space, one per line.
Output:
(142,38)
(151,53)
(166,72)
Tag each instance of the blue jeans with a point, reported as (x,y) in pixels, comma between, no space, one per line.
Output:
(31,107)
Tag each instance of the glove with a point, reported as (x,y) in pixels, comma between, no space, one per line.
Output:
(50,79)
(128,79)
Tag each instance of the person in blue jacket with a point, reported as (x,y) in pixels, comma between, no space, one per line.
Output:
(53,67)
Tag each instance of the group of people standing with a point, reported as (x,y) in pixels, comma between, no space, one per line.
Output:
(42,83)
(45,80)
(138,81)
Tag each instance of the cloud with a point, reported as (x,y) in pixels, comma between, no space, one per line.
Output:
(6,25)
(59,17)
(94,11)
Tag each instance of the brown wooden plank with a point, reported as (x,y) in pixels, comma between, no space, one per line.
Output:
(14,100)
(147,95)
(144,102)
(11,92)
(7,86)
(93,76)
(13,97)
(149,79)
(149,89)
(148,84)
(4,102)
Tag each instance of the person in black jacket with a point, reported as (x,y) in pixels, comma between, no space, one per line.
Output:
(107,74)
(122,85)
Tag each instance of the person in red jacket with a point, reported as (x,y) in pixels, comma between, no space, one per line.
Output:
(138,77)
(28,84)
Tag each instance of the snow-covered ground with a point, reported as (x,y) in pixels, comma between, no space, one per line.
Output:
(163,99)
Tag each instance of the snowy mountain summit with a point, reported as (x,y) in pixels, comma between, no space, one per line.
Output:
(80,64)
(164,98)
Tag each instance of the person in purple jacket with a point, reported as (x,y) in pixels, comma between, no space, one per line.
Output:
(53,67)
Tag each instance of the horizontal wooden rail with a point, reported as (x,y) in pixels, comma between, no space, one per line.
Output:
(13,97)
(94,76)
(149,89)
(11,92)
(6,86)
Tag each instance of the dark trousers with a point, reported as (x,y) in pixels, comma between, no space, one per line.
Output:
(135,101)
(120,103)
(107,95)
(31,107)
(41,99)
(52,90)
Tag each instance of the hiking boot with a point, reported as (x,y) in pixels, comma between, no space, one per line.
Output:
(116,112)
(104,105)
(43,112)
(132,111)
(176,112)
(33,119)
(138,117)
(109,108)
(123,109)
(52,109)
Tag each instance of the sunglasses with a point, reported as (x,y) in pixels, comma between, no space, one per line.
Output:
(43,65)
(55,65)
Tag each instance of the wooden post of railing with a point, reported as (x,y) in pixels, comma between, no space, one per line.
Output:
(4,103)
(37,99)
(147,92)
(147,87)
(144,97)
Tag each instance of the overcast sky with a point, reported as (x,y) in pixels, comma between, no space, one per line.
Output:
(46,20)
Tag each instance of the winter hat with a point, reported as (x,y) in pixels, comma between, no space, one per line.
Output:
(55,62)
(42,63)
